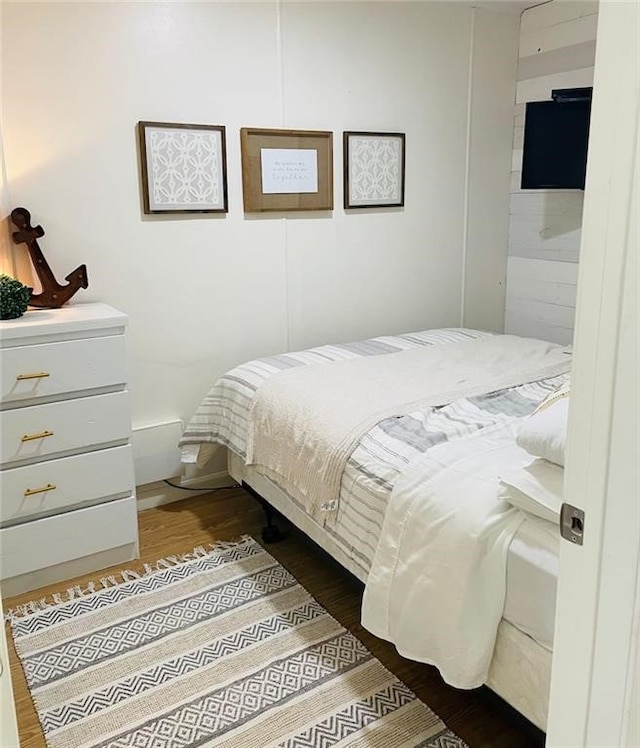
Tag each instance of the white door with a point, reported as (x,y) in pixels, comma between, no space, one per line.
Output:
(594,700)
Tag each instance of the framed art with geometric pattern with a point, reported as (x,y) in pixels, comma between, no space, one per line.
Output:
(373,169)
(183,168)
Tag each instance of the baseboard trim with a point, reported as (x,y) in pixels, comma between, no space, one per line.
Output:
(156,494)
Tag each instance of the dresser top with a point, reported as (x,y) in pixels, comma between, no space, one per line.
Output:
(70,319)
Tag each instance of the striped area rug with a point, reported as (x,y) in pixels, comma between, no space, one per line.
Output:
(224,649)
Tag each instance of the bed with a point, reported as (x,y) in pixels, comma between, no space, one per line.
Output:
(411,424)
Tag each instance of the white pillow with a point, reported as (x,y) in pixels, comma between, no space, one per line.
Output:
(544,432)
(537,489)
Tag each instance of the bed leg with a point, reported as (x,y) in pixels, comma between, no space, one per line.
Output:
(271,533)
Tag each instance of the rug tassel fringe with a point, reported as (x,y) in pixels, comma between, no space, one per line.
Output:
(113,580)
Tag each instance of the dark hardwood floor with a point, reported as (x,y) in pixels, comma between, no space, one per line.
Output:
(479,717)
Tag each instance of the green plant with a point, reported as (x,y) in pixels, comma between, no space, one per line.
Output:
(14,297)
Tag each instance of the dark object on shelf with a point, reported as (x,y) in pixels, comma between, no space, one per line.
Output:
(556,136)
(53,294)
(14,297)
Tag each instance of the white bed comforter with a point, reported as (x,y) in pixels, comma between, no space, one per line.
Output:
(437,585)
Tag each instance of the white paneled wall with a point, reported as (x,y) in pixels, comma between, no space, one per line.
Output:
(494,60)
(557,50)
(204,293)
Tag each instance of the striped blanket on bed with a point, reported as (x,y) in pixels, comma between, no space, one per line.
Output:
(379,457)
(223,415)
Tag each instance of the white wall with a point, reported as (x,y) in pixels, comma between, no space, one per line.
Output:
(490,129)
(206,293)
(633,713)
(12,262)
(557,50)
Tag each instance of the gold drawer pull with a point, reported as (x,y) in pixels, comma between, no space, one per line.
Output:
(42,489)
(36,375)
(31,437)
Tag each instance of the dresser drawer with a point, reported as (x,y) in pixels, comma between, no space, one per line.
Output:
(41,431)
(52,486)
(54,540)
(30,372)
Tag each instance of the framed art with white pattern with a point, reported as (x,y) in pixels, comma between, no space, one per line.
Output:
(373,169)
(184,168)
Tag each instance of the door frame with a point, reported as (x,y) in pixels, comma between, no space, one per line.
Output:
(595,658)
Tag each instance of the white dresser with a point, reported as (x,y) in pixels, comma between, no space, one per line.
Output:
(67,503)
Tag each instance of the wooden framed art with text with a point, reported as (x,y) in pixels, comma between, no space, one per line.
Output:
(285,170)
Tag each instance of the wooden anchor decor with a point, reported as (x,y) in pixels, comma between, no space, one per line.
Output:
(53,294)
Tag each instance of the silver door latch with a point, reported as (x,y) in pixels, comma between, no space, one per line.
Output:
(572,523)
